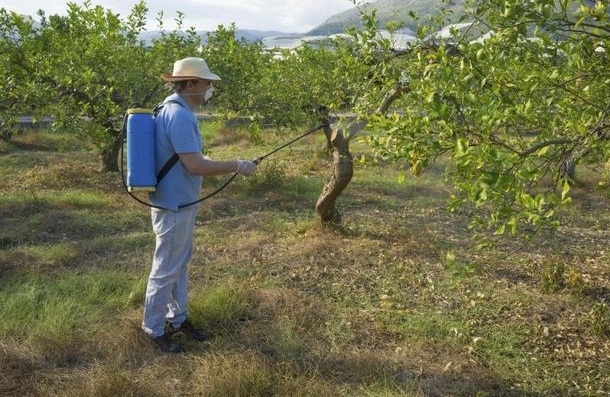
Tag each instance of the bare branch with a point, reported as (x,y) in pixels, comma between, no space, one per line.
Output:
(392,95)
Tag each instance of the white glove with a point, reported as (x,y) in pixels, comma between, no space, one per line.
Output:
(245,167)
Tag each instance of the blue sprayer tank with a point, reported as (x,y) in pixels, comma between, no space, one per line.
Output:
(141,175)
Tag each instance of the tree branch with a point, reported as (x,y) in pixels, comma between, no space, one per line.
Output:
(392,95)
(541,145)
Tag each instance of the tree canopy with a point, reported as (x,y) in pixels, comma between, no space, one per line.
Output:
(510,103)
(86,68)
(510,107)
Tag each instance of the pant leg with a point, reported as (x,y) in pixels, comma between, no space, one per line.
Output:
(168,279)
(178,304)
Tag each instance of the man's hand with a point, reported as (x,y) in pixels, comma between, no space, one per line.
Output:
(245,167)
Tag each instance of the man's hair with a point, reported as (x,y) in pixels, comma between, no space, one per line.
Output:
(177,86)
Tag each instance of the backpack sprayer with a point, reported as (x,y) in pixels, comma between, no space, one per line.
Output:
(139,132)
(139,128)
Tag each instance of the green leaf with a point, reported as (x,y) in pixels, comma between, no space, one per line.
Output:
(401,178)
(565,190)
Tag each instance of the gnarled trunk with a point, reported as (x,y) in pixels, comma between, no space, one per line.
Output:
(341,176)
(110,155)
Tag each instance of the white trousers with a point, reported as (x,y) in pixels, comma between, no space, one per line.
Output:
(167,289)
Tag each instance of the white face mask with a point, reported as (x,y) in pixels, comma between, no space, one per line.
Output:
(208,93)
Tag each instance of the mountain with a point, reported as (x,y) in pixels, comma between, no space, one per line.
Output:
(392,10)
(387,10)
(255,35)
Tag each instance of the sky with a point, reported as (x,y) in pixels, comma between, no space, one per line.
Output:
(291,16)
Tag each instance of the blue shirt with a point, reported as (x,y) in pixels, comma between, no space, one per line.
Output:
(176,131)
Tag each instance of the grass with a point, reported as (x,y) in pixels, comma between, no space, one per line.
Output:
(394,302)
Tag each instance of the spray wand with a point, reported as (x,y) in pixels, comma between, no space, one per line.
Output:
(256,161)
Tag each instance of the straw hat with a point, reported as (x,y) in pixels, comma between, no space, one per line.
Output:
(189,69)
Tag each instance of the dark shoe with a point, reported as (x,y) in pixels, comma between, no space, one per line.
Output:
(187,328)
(165,343)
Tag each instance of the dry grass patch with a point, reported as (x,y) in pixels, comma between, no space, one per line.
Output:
(395,302)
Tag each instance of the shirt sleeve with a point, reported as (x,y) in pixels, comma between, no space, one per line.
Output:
(184,133)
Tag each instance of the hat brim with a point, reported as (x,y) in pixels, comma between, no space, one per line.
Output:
(210,76)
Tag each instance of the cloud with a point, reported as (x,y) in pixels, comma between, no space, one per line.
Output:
(284,15)
(295,16)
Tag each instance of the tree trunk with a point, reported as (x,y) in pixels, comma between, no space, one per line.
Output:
(329,143)
(110,155)
(568,168)
(325,116)
(342,174)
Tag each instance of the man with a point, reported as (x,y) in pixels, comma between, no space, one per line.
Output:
(177,131)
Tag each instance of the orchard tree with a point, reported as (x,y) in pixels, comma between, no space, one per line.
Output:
(311,85)
(97,66)
(508,108)
(320,83)
(86,68)
(281,87)
(241,65)
(288,89)
(19,94)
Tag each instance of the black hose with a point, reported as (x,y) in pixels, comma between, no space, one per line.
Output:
(257,161)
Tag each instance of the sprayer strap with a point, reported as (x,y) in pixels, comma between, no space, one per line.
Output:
(168,166)
(174,159)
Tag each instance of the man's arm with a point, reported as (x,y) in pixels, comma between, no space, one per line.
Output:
(197,164)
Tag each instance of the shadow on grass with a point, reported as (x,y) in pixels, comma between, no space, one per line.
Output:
(289,335)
